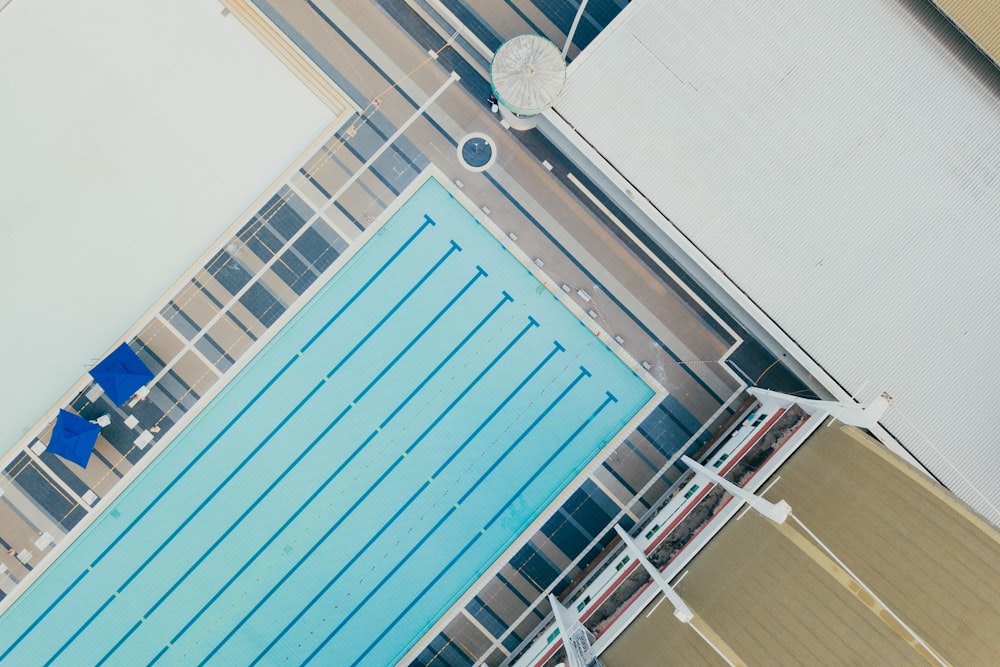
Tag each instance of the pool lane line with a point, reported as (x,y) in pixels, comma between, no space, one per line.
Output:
(489,524)
(532,323)
(428,222)
(480,273)
(584,373)
(504,300)
(557,348)
(453,247)
(298,459)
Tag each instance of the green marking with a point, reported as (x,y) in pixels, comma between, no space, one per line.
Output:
(482,530)
(456,505)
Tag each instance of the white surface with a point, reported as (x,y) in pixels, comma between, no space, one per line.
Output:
(528,73)
(43,542)
(143,439)
(842,167)
(132,134)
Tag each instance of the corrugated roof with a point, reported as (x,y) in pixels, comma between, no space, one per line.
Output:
(841,164)
(979,19)
(778,604)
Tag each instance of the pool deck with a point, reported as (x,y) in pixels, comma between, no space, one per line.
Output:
(227,307)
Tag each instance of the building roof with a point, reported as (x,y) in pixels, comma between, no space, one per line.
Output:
(839,166)
(925,555)
(979,19)
(104,208)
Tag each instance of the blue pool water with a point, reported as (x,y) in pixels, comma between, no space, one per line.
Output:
(355,478)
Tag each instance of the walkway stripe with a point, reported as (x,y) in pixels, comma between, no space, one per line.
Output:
(427,223)
(416,494)
(489,524)
(291,466)
(453,247)
(531,324)
(506,299)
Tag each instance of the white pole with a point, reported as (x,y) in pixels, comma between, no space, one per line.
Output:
(572,28)
(776,512)
(681,610)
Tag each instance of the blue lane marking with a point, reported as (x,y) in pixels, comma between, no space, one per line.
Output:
(531,324)
(480,273)
(392,311)
(183,525)
(510,448)
(368,283)
(263,495)
(684,368)
(489,524)
(148,508)
(428,222)
(453,247)
(506,299)
(416,494)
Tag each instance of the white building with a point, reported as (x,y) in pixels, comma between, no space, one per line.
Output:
(834,170)
(168,139)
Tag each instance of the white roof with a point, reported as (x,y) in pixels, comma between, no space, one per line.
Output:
(133,134)
(841,165)
(528,73)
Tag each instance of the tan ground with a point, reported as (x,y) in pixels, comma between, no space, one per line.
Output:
(928,558)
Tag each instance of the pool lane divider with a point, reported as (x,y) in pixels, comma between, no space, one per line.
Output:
(428,222)
(557,348)
(584,373)
(532,323)
(452,248)
(298,459)
(506,298)
(489,524)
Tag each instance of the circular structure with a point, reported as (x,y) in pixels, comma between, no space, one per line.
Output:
(476,152)
(527,74)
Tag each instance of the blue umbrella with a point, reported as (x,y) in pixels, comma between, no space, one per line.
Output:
(73,438)
(121,374)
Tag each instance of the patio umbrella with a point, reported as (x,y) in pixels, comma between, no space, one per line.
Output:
(121,374)
(73,438)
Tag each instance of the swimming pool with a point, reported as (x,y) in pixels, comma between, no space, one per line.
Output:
(355,478)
